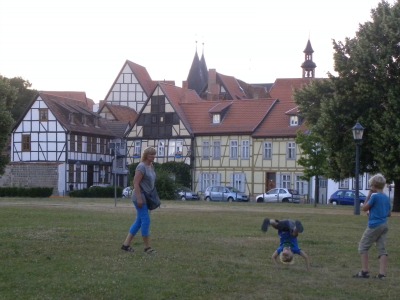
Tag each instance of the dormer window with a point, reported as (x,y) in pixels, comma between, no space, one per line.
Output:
(216,118)
(71,118)
(294,120)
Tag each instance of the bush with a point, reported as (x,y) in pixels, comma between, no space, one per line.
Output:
(35,192)
(96,192)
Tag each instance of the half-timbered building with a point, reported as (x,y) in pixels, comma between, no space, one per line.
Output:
(60,142)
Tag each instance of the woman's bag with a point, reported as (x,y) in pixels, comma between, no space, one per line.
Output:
(152,199)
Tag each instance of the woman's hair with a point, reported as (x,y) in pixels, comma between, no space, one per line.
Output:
(377,181)
(146,152)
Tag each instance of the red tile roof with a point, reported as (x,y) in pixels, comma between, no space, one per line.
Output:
(278,122)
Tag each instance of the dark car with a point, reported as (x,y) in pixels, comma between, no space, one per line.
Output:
(346,197)
(185,193)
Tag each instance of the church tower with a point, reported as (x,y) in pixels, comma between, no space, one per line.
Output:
(308,65)
(198,75)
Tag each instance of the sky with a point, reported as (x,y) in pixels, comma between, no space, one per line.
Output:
(81,45)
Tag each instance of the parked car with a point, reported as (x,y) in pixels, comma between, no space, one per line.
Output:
(346,197)
(185,193)
(279,195)
(224,193)
(127,192)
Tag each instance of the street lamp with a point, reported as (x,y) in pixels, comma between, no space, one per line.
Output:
(358,131)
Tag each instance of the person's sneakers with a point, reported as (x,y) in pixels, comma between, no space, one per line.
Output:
(265,224)
(361,274)
(380,276)
(299,227)
(127,248)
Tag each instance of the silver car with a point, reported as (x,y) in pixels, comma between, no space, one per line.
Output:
(224,193)
(279,195)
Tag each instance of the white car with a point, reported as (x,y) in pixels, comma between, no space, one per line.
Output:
(279,195)
(127,192)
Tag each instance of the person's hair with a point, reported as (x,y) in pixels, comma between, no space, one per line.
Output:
(146,152)
(377,181)
(286,258)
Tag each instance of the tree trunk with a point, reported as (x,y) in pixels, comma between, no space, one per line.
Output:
(396,197)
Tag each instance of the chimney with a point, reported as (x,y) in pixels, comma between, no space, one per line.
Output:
(213,87)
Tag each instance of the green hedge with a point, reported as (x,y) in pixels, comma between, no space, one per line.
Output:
(96,192)
(38,192)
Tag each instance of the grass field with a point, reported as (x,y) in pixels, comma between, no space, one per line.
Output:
(62,248)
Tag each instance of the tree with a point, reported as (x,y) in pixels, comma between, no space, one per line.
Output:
(366,89)
(24,97)
(8,95)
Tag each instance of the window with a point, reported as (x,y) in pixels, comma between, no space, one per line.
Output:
(285,181)
(161,149)
(360,182)
(137,149)
(216,149)
(234,150)
(246,149)
(209,179)
(267,150)
(79,143)
(175,148)
(43,114)
(344,184)
(238,181)
(216,118)
(206,150)
(291,150)
(294,120)
(26,142)
(70,173)
(72,143)
(301,185)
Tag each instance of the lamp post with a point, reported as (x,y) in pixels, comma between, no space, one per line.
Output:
(358,131)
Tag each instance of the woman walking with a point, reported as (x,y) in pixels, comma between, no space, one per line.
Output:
(144,179)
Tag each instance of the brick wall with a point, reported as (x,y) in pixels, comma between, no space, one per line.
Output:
(31,175)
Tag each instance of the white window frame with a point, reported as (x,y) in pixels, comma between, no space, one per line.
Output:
(291,151)
(209,179)
(233,149)
(301,185)
(267,150)
(216,118)
(137,148)
(238,181)
(285,181)
(294,120)
(245,149)
(161,148)
(344,183)
(205,150)
(217,149)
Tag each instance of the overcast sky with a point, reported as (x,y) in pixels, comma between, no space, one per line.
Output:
(79,45)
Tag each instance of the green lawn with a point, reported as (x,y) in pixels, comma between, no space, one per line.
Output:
(62,248)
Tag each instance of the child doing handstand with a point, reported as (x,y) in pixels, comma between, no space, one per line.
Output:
(288,230)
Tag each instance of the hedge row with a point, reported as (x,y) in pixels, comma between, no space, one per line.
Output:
(96,192)
(35,192)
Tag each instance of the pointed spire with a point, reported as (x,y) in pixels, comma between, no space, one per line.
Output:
(308,65)
(198,74)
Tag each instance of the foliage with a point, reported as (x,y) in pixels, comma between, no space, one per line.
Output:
(69,249)
(366,90)
(24,96)
(97,192)
(14,97)
(8,94)
(38,192)
(170,176)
